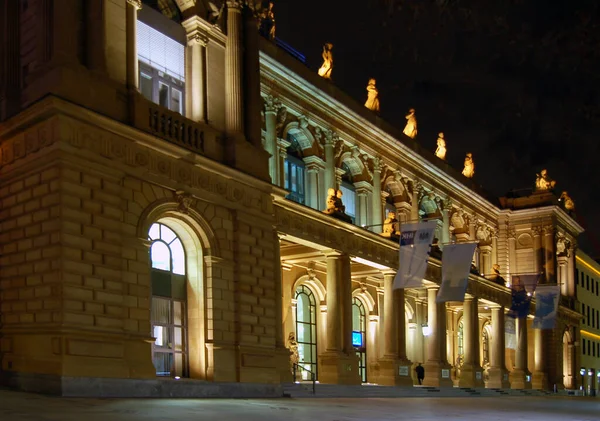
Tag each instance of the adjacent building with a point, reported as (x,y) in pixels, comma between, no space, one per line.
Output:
(164,170)
(587,283)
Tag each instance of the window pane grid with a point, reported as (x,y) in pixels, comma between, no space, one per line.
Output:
(306,331)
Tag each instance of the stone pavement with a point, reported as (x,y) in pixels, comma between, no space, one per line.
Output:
(17,406)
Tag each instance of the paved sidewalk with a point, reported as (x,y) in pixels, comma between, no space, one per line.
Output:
(16,406)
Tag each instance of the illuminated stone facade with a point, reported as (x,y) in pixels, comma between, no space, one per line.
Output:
(89,165)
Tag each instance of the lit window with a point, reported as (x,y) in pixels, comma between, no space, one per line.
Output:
(294,179)
(349,199)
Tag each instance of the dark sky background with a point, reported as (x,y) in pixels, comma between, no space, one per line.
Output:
(515,82)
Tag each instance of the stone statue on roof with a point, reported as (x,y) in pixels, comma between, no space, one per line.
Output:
(266,26)
(469,169)
(411,124)
(327,66)
(372,96)
(543,182)
(440,152)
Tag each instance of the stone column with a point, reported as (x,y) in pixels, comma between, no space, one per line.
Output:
(518,375)
(362,189)
(338,364)
(234,91)
(571,272)
(494,247)
(436,368)
(376,202)
(485,264)
(282,146)
(195,66)
(414,210)
(549,254)
(539,379)
(131,47)
(446,222)
(394,367)
(498,375)
(512,255)
(538,258)
(563,281)
(330,182)
(471,372)
(419,339)
(271,107)
(311,188)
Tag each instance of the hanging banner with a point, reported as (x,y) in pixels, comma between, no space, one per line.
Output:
(510,333)
(546,306)
(415,241)
(522,289)
(456,265)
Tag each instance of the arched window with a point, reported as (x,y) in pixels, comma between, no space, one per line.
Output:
(306,331)
(168,308)
(359,336)
(485,345)
(461,343)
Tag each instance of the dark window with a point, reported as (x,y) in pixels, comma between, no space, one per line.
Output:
(598,319)
(577,276)
(162,89)
(592,285)
(593,318)
(588,316)
(587,282)
(596,288)
(359,331)
(294,178)
(593,349)
(588,347)
(583,346)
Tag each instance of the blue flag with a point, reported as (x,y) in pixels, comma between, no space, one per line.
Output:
(546,306)
(523,287)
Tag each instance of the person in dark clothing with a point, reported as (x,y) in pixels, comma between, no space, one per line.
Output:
(420,373)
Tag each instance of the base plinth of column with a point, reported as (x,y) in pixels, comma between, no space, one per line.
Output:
(470,376)
(393,372)
(518,379)
(437,374)
(539,380)
(338,368)
(498,379)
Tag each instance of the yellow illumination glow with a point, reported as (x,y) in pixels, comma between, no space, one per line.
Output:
(587,265)
(590,334)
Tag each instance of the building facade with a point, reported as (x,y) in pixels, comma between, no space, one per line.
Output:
(587,282)
(164,172)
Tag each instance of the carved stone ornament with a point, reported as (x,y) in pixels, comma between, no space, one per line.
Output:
(428,205)
(184,200)
(410,129)
(372,96)
(440,152)
(469,166)
(327,66)
(459,222)
(567,202)
(135,3)
(483,234)
(335,207)
(563,246)
(390,226)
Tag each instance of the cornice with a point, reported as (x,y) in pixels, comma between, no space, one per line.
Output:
(546,214)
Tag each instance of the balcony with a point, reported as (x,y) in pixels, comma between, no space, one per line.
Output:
(199,138)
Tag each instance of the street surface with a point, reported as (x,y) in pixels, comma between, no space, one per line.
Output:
(15,406)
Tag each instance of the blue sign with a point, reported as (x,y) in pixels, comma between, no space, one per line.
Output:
(357,339)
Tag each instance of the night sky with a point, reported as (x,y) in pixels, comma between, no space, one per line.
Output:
(515,82)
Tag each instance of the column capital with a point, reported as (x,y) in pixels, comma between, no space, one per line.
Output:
(363,188)
(332,253)
(235,5)
(135,3)
(549,230)
(272,104)
(331,138)
(313,163)
(197,38)
(377,165)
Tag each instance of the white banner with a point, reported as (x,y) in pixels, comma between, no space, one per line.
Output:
(456,265)
(546,306)
(510,332)
(415,240)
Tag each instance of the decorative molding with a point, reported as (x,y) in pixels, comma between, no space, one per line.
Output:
(185,201)
(135,3)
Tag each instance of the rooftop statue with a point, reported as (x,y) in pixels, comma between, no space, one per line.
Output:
(411,124)
(327,66)
(267,22)
(440,152)
(543,182)
(568,203)
(372,96)
(469,169)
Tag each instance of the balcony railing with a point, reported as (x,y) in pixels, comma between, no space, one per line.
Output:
(176,129)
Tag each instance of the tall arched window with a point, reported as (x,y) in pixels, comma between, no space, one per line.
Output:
(168,309)
(293,168)
(359,336)
(461,343)
(485,345)
(349,192)
(306,330)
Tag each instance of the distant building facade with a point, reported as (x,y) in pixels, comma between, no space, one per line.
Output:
(587,283)
(164,172)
